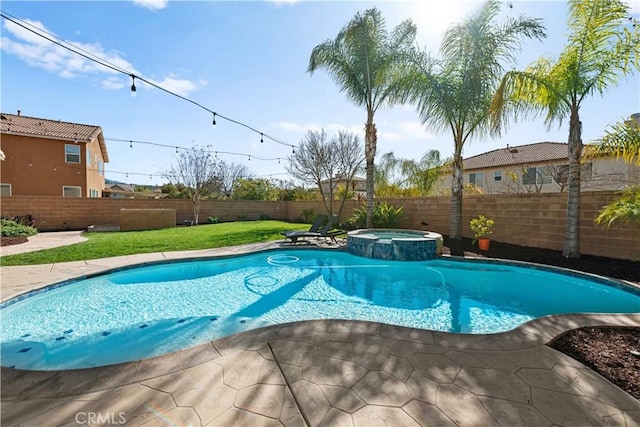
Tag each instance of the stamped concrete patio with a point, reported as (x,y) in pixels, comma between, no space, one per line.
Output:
(327,372)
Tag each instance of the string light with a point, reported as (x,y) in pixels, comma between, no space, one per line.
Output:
(76,138)
(261,138)
(94,58)
(157,144)
(176,150)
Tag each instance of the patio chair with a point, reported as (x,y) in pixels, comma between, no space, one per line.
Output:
(326,232)
(319,220)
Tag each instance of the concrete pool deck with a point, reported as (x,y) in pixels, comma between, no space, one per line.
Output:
(327,372)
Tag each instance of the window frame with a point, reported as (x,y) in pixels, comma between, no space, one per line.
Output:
(64,187)
(477,175)
(88,156)
(2,184)
(93,191)
(496,175)
(67,154)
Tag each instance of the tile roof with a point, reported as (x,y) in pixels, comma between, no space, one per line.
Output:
(54,129)
(518,155)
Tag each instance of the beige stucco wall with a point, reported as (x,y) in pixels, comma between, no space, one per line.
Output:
(606,174)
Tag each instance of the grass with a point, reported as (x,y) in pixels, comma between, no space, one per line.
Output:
(109,244)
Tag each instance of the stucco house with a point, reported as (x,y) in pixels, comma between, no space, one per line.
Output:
(51,158)
(356,184)
(541,167)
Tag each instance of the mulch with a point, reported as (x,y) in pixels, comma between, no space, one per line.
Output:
(6,241)
(614,353)
(610,267)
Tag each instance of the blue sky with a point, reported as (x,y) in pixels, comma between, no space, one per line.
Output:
(247,61)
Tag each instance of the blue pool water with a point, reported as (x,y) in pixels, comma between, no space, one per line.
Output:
(147,311)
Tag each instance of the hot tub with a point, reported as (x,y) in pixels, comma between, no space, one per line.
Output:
(394,244)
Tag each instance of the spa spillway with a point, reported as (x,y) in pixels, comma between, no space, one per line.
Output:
(394,244)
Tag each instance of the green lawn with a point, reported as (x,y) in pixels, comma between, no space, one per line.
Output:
(108,244)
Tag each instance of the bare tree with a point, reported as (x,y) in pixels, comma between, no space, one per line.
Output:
(327,163)
(195,169)
(228,174)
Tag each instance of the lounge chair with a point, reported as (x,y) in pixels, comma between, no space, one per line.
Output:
(319,220)
(326,232)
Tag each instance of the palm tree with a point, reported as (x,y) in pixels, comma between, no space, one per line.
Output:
(362,60)
(622,140)
(454,94)
(599,50)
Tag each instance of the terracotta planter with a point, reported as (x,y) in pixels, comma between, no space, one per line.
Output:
(483,244)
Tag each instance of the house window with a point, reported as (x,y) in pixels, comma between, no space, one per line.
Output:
(93,193)
(71,191)
(5,189)
(476,179)
(529,176)
(497,176)
(88,156)
(100,168)
(72,153)
(536,175)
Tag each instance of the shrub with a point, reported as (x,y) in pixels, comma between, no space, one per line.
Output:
(265,217)
(214,220)
(10,228)
(384,216)
(482,227)
(307,214)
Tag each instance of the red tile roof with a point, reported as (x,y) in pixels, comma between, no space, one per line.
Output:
(518,155)
(53,129)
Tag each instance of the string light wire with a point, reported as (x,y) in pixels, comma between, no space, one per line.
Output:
(94,58)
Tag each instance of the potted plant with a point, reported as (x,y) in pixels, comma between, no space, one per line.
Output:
(482,228)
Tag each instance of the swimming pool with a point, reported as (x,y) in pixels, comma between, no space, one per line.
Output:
(147,311)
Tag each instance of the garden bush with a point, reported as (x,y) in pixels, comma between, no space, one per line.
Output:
(384,216)
(10,228)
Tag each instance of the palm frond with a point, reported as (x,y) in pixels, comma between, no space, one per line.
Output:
(621,140)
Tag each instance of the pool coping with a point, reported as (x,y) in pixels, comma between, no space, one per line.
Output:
(22,384)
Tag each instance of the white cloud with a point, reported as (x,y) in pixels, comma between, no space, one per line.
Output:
(413,130)
(393,131)
(39,52)
(112,82)
(151,4)
(180,86)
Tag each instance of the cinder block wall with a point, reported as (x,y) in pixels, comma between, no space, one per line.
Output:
(524,219)
(146,219)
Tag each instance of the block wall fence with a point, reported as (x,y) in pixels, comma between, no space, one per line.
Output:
(536,220)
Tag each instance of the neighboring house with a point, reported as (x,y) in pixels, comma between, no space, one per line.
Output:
(120,191)
(51,157)
(356,184)
(541,167)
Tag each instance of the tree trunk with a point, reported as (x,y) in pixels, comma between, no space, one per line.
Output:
(571,247)
(370,154)
(196,207)
(455,222)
